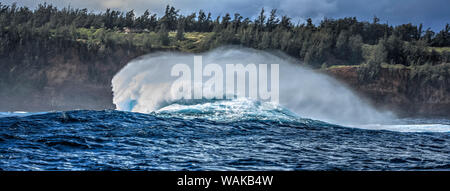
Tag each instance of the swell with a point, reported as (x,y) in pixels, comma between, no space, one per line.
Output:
(116,140)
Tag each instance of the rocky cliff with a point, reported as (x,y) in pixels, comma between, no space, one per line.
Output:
(62,81)
(397,90)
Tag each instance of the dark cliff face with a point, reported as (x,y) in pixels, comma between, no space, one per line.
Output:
(396,90)
(63,81)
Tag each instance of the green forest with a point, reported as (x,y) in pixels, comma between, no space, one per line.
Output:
(369,45)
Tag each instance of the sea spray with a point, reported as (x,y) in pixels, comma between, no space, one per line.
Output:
(144,85)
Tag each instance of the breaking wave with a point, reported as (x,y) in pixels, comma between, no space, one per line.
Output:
(144,86)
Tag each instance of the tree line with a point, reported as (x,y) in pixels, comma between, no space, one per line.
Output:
(331,42)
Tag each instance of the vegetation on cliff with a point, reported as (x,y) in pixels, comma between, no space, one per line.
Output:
(332,42)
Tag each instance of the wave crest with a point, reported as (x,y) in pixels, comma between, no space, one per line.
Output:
(144,86)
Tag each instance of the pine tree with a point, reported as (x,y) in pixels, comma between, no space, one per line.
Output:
(272,22)
(163,35)
(260,20)
(180,30)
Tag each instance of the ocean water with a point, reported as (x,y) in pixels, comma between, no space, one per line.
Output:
(216,135)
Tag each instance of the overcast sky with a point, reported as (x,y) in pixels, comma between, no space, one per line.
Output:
(432,13)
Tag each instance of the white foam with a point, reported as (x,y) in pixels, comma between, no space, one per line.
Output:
(19,114)
(407,127)
(230,111)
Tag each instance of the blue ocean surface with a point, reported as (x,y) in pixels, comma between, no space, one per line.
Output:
(199,139)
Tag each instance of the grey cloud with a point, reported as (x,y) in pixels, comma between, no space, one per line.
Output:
(433,13)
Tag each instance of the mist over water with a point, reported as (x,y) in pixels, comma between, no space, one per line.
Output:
(144,86)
